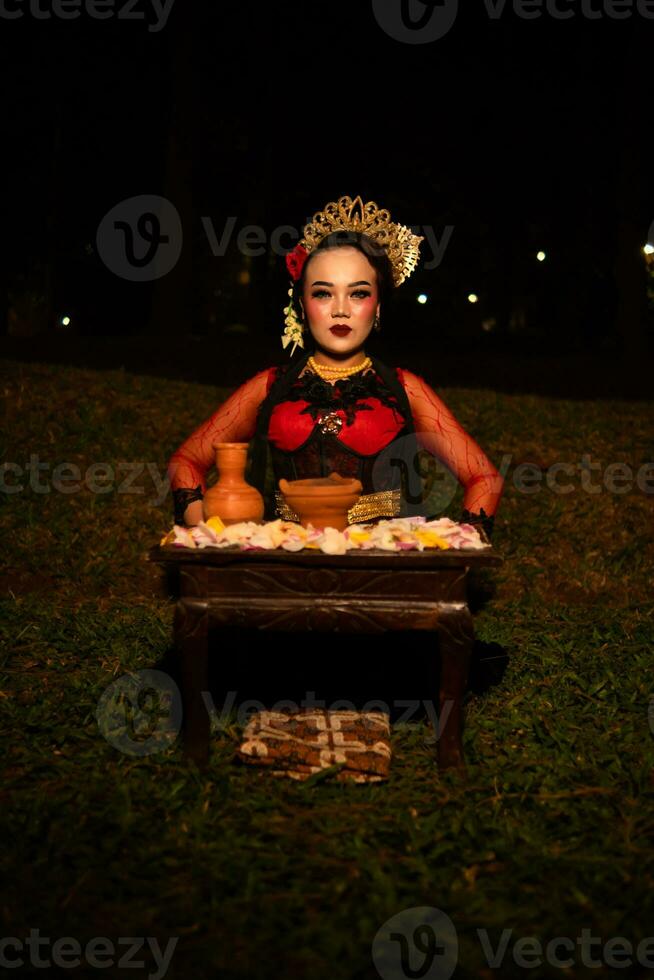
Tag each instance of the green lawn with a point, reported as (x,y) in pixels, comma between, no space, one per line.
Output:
(550,833)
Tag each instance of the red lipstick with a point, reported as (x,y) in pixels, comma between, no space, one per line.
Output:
(340,330)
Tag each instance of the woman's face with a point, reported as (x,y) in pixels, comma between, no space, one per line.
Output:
(340,290)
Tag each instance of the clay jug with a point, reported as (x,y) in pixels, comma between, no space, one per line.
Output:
(231,498)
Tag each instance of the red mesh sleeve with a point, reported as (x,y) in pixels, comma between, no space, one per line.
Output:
(234,421)
(441,434)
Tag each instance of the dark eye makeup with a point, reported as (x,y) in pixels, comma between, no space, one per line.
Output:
(359,293)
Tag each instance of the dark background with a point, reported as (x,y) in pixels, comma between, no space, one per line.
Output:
(518,134)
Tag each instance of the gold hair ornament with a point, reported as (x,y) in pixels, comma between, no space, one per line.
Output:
(400,243)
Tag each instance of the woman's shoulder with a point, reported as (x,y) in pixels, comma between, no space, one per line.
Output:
(263,380)
(416,387)
(277,371)
(401,373)
(406,372)
(257,385)
(274,372)
(408,378)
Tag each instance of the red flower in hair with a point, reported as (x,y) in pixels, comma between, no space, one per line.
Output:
(295,261)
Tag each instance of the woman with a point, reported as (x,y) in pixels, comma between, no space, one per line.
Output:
(336,408)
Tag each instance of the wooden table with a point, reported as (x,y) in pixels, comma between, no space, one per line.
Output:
(359,592)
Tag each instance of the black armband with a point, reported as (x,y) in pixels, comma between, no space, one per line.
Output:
(182,497)
(487,521)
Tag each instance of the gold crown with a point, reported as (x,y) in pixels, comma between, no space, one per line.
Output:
(401,245)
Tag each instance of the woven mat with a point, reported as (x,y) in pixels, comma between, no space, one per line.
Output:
(297,744)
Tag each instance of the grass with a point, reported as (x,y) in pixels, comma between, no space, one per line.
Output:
(549,834)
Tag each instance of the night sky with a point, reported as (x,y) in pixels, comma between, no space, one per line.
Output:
(515,134)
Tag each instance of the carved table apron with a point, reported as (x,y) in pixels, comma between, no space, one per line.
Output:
(358,592)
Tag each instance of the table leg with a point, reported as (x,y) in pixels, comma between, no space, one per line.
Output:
(191,631)
(456,635)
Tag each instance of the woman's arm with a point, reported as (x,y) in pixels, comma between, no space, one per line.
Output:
(234,421)
(442,435)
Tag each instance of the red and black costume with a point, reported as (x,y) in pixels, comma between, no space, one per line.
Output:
(369,426)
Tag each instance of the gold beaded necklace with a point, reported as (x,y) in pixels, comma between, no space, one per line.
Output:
(328,373)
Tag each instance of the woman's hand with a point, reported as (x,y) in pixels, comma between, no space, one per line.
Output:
(194,513)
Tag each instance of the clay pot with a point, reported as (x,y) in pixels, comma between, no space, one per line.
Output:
(231,498)
(322,501)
